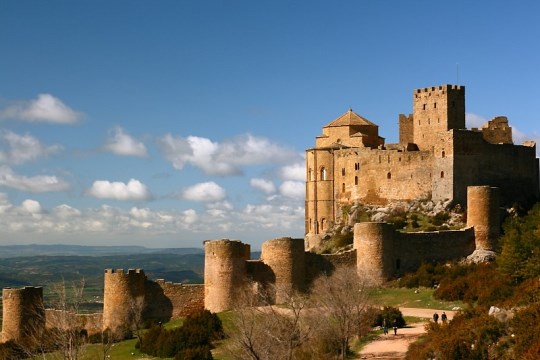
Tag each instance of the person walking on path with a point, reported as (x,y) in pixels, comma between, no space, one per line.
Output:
(444,318)
(384,327)
(436,317)
(394,324)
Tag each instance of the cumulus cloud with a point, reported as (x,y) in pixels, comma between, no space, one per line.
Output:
(23,148)
(295,172)
(31,206)
(46,108)
(293,189)
(265,186)
(39,183)
(204,192)
(133,190)
(226,158)
(121,143)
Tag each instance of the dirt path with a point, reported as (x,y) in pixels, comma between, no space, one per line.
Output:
(392,346)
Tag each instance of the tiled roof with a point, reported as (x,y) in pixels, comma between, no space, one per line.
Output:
(350,118)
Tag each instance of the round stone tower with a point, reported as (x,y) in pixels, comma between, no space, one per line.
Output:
(374,250)
(123,299)
(23,313)
(224,272)
(286,258)
(483,215)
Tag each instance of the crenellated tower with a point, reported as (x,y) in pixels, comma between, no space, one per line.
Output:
(123,299)
(437,109)
(23,313)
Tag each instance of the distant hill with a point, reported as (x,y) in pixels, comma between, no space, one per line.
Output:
(8,251)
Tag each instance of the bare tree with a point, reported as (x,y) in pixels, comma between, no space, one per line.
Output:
(267,331)
(65,328)
(339,307)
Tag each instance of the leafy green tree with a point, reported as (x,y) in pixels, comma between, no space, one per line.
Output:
(520,249)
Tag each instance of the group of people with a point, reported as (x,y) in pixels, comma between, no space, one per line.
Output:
(444,319)
(385,327)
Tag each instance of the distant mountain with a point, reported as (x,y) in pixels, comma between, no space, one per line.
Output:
(8,251)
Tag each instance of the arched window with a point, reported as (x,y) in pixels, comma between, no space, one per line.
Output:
(389,175)
(442,174)
(356,180)
(342,171)
(323,173)
(323,224)
(443,154)
(343,187)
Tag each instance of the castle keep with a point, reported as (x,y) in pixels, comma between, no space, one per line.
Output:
(436,158)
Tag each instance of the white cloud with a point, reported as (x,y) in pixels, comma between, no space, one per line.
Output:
(31,206)
(121,143)
(295,172)
(205,192)
(474,120)
(23,148)
(66,212)
(190,216)
(265,186)
(225,158)
(46,108)
(133,190)
(39,183)
(293,189)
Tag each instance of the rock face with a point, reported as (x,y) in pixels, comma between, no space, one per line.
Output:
(480,256)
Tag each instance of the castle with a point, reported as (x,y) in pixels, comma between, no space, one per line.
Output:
(436,158)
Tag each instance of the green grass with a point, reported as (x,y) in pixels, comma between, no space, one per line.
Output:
(415,298)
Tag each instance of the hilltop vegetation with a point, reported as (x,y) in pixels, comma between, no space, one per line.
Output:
(502,319)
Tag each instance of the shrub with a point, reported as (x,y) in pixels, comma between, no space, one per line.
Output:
(390,314)
(191,341)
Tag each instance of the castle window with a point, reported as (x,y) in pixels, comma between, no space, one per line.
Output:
(429,121)
(310,174)
(343,172)
(424,107)
(443,154)
(323,173)
(323,224)
(357,166)
(434,105)
(442,174)
(399,159)
(343,187)
(389,175)
(356,180)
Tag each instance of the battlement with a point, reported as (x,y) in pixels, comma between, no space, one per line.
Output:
(122,272)
(441,88)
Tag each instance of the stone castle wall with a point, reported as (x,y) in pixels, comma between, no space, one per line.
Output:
(166,300)
(59,319)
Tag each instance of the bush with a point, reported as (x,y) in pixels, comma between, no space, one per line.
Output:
(482,284)
(191,341)
(427,275)
(390,314)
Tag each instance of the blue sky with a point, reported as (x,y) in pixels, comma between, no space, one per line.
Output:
(166,123)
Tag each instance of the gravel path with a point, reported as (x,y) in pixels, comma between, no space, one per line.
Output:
(392,346)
